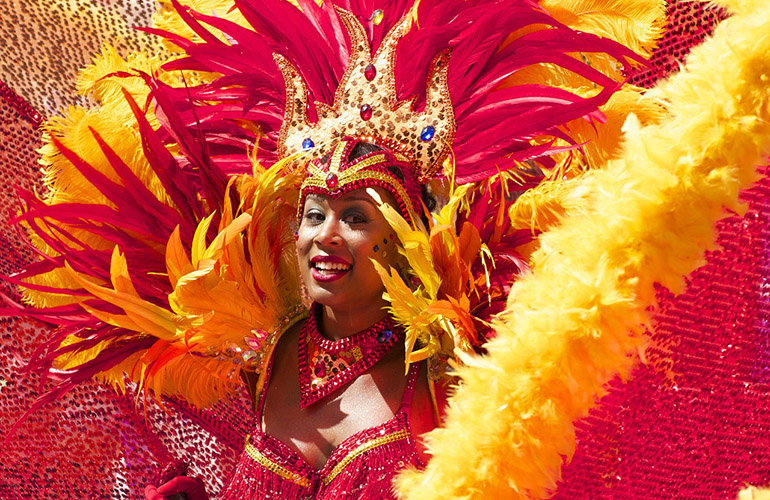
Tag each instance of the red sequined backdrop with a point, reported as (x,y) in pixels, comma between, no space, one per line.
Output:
(692,423)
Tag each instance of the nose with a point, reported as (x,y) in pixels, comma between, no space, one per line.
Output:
(329,232)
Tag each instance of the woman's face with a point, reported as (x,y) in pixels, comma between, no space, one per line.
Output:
(336,241)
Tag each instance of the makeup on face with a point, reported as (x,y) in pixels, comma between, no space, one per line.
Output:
(385,245)
(336,242)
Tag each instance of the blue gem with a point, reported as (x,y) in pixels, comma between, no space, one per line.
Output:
(309,144)
(376,248)
(427,133)
(384,336)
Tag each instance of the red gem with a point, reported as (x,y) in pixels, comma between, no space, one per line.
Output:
(331,180)
(320,369)
(366,112)
(370,72)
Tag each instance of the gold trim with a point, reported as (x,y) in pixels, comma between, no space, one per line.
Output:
(317,181)
(304,482)
(336,163)
(274,467)
(368,445)
(372,160)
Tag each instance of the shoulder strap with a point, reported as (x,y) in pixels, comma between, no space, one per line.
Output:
(411,380)
(262,394)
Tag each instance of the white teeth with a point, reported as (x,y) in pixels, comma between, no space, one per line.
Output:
(331,266)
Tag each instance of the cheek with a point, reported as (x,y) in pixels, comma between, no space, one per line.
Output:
(384,249)
(303,244)
(303,238)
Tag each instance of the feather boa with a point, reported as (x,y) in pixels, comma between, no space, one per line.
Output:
(578,319)
(752,493)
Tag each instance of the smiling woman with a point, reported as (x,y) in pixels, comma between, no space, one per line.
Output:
(334,420)
(175,263)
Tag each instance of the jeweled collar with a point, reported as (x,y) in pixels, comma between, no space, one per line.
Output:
(325,365)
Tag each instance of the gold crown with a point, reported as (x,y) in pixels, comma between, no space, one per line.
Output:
(365,105)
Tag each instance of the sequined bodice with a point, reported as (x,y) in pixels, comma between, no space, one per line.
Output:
(361,467)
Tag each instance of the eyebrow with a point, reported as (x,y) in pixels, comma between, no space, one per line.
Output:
(367,199)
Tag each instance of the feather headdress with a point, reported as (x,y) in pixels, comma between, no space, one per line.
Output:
(158,231)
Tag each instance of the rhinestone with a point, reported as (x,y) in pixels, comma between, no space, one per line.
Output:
(331,180)
(384,336)
(427,133)
(377,16)
(370,72)
(366,112)
(308,144)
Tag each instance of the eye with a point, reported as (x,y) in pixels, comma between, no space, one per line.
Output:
(355,217)
(314,216)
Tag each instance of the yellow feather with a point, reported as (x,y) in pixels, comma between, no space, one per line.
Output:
(752,493)
(177,262)
(113,120)
(199,240)
(233,230)
(145,316)
(166,17)
(637,24)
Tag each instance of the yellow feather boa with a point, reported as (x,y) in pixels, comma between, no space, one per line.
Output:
(752,493)
(578,319)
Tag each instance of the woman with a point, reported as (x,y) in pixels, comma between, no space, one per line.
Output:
(330,424)
(198,282)
(346,425)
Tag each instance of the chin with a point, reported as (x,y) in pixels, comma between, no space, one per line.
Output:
(350,299)
(327,296)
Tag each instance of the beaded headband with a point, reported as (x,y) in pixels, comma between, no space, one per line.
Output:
(334,175)
(366,106)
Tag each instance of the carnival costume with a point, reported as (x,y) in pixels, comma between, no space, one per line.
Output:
(162,261)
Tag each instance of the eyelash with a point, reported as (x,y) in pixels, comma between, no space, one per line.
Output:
(316,217)
(358,218)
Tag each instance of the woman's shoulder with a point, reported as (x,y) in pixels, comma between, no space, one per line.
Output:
(255,380)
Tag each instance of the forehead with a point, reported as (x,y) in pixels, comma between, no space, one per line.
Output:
(360,195)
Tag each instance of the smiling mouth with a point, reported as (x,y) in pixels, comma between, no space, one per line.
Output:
(330,266)
(325,272)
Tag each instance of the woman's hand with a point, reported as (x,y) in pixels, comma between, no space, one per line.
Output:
(178,488)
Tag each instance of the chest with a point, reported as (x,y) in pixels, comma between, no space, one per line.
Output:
(315,431)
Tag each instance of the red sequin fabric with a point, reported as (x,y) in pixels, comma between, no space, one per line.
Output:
(691,424)
(361,467)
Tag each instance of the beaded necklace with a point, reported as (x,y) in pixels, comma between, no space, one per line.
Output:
(325,365)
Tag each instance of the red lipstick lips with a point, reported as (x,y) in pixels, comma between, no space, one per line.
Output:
(327,268)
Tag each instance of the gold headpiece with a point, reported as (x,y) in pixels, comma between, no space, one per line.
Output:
(366,106)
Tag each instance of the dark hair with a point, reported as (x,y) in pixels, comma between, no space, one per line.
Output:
(361,149)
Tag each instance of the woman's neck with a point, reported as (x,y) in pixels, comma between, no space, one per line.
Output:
(336,324)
